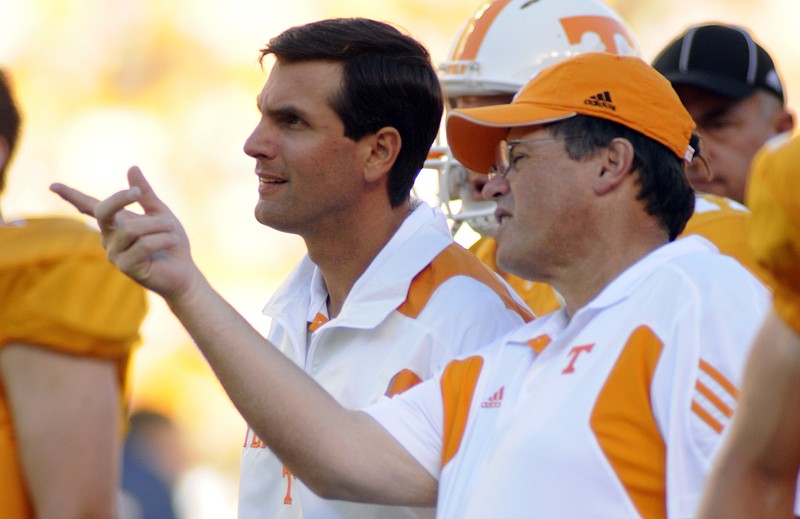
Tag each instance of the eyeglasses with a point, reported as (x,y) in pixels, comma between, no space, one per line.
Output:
(503,161)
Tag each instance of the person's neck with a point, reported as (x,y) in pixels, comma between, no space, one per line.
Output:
(343,256)
(588,275)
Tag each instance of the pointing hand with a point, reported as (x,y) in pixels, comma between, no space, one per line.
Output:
(152,248)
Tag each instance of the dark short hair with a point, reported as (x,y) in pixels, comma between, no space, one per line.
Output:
(664,186)
(10,121)
(388,80)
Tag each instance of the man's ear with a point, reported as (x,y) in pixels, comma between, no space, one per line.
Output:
(382,149)
(784,121)
(616,162)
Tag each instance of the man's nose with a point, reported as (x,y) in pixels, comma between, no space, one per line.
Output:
(495,187)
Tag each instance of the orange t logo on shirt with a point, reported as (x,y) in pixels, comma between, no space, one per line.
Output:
(574,353)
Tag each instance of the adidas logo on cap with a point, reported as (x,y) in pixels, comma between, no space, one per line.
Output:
(622,89)
(602,99)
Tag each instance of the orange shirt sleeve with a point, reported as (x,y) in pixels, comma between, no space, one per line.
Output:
(60,291)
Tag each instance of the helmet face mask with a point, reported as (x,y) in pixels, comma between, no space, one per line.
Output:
(455,194)
(499,49)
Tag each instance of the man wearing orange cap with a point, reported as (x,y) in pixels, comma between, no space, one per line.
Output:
(609,407)
(756,473)
(498,49)
(505,43)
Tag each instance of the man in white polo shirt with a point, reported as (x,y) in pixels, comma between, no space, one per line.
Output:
(611,406)
(347,116)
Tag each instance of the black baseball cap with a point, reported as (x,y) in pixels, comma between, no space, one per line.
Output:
(722,59)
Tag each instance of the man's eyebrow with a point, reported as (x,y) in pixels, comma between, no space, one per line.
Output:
(280,112)
(284,112)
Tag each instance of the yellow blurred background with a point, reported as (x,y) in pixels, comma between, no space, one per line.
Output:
(170,85)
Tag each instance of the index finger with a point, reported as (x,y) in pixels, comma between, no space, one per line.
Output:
(81,201)
(106,211)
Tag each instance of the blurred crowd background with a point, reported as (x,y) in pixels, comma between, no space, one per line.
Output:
(170,85)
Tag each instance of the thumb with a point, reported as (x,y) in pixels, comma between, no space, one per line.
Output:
(148,199)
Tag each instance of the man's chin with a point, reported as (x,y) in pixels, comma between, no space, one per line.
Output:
(509,264)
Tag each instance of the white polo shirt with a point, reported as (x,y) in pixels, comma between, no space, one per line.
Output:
(422,301)
(615,413)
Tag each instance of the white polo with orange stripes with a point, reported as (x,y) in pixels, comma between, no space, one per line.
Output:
(614,413)
(421,302)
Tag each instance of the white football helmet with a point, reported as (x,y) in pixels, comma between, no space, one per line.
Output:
(502,46)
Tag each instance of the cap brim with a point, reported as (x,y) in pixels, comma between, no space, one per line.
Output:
(474,133)
(713,83)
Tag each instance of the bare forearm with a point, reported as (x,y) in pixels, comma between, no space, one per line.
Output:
(76,401)
(338,453)
(748,493)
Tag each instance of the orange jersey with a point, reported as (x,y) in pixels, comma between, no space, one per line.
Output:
(723,222)
(59,291)
(774,233)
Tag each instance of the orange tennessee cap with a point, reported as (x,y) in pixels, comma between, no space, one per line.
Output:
(623,89)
